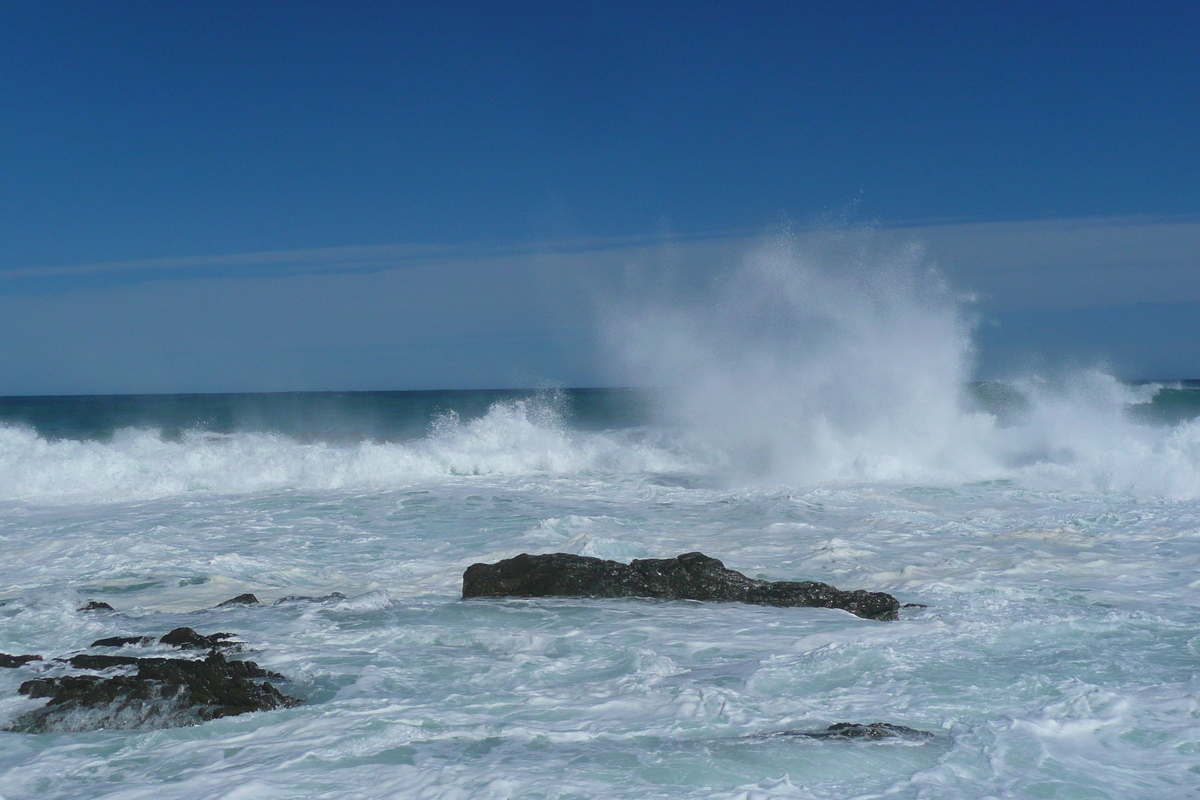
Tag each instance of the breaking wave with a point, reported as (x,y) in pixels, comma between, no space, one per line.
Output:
(841,360)
(522,437)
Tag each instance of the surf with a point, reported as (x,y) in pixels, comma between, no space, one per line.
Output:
(838,358)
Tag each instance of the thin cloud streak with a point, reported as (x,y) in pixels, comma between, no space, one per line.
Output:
(1010,265)
(350,258)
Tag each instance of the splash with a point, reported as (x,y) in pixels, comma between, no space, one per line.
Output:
(836,358)
(807,368)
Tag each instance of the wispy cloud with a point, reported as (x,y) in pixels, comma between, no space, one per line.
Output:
(1042,264)
(350,259)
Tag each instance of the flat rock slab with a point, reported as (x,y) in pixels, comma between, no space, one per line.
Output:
(691,576)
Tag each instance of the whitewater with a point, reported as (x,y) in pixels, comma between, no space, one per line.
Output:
(817,418)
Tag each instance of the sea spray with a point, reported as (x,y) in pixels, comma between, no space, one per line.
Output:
(849,364)
(835,358)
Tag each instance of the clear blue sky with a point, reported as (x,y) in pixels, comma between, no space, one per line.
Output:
(140,130)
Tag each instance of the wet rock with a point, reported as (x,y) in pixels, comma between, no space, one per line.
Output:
(691,576)
(12,662)
(853,730)
(246,599)
(164,692)
(188,639)
(292,598)
(96,605)
(122,641)
(93,661)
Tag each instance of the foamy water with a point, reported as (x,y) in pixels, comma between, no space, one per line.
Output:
(821,431)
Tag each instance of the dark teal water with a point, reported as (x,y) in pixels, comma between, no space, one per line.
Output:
(326,416)
(402,416)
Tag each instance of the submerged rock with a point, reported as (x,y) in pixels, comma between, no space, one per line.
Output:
(12,662)
(293,598)
(163,693)
(96,605)
(691,576)
(854,730)
(246,599)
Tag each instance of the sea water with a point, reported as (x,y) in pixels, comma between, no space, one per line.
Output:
(820,424)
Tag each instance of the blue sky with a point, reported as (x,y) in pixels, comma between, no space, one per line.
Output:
(242,196)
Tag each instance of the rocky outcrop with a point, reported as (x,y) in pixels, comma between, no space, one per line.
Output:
(141,692)
(691,576)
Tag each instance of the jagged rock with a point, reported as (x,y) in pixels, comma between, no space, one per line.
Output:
(96,605)
(188,639)
(246,599)
(12,662)
(691,576)
(121,641)
(853,730)
(165,692)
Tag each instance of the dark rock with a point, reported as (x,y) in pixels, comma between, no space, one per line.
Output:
(188,639)
(92,661)
(96,605)
(691,576)
(246,599)
(853,730)
(291,598)
(121,641)
(914,605)
(12,662)
(165,692)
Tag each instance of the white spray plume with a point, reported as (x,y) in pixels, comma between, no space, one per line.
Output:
(833,358)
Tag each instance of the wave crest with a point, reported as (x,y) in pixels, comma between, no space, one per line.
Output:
(523,437)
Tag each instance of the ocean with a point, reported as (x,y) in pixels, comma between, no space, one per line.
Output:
(815,424)
(1056,655)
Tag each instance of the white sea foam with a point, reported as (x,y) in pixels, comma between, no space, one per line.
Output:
(514,438)
(788,428)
